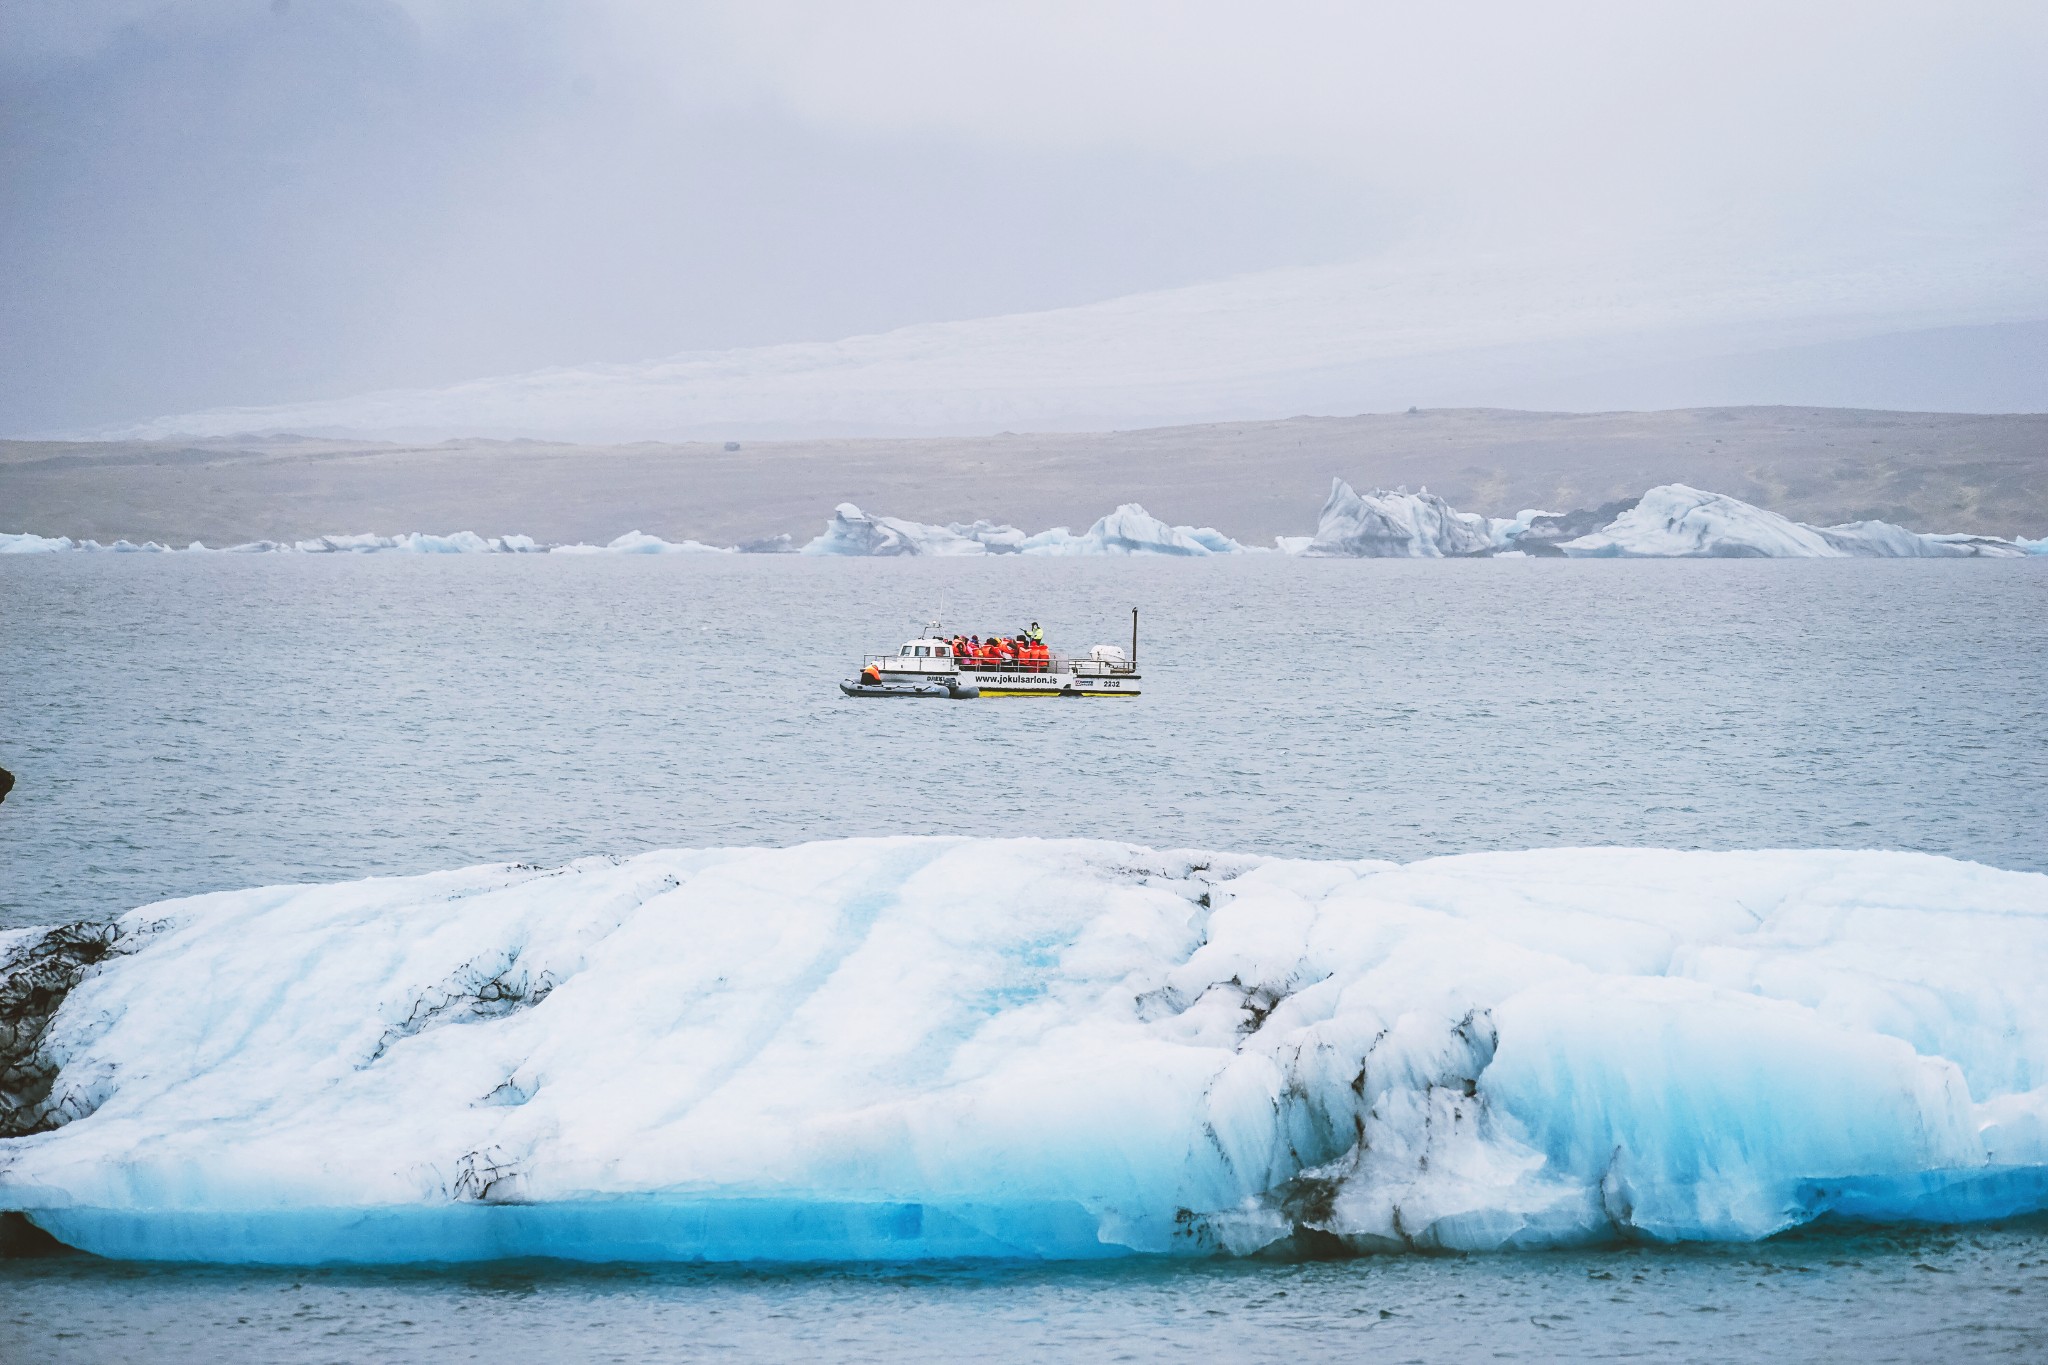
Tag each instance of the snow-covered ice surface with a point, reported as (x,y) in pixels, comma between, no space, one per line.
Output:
(1677,522)
(1129,530)
(912,1048)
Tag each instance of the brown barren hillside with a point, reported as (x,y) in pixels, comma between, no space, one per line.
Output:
(1253,480)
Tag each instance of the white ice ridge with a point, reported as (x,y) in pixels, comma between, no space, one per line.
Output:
(1129,530)
(908,1048)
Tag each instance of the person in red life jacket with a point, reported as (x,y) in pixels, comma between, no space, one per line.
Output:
(1009,647)
(1041,657)
(991,653)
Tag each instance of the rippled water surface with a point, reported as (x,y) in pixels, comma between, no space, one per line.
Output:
(192,724)
(1928,1296)
(183,724)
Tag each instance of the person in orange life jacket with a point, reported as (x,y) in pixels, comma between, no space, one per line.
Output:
(991,654)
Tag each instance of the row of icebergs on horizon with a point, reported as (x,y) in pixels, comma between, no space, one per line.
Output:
(904,1048)
(1671,521)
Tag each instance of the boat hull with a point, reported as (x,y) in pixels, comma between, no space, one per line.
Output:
(1008,684)
(955,690)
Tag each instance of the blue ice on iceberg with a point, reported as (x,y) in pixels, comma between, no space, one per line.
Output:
(908,1048)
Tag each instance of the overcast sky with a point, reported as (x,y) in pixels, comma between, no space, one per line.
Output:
(214,202)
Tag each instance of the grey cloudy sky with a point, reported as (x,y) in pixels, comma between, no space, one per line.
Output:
(220,202)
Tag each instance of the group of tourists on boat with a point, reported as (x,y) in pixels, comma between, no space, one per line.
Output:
(1024,652)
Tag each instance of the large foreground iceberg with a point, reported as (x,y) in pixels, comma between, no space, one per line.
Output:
(906,1048)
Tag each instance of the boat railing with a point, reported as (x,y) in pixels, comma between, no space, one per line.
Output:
(1057,663)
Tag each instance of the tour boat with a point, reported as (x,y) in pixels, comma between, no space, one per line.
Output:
(925,667)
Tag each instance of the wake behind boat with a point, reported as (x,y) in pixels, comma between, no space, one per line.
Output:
(961,667)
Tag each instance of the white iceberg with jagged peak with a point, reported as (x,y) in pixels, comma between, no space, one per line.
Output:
(1128,530)
(1400,525)
(907,1048)
(1674,521)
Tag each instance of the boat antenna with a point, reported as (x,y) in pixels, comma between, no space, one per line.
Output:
(1134,635)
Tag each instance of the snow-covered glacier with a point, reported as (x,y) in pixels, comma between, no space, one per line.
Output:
(908,1048)
(1129,530)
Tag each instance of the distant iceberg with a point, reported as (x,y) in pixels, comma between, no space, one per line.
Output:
(852,532)
(1128,530)
(418,543)
(1671,521)
(1678,522)
(28,544)
(1131,530)
(894,1049)
(1383,525)
(640,543)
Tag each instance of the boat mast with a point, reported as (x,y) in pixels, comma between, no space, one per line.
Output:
(1134,635)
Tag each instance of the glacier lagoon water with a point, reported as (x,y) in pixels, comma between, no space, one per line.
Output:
(222,724)
(183,724)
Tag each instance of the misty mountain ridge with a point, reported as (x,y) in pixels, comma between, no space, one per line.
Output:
(1584,328)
